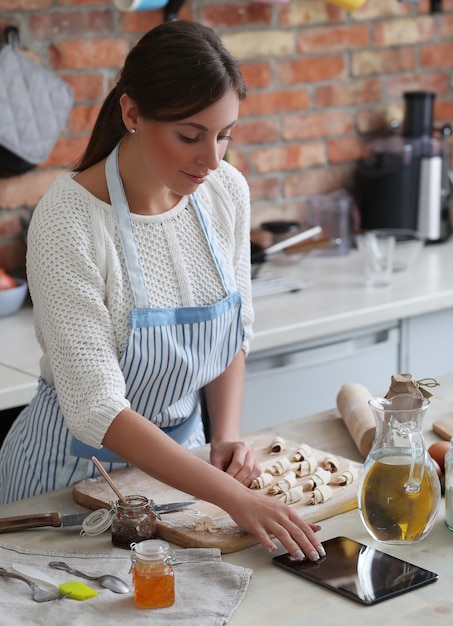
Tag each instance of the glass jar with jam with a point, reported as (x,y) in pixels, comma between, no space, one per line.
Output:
(133,521)
(152,574)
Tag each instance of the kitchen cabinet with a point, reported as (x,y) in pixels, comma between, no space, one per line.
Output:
(303,379)
(427,344)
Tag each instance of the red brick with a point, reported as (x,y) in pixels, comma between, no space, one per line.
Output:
(87,86)
(446,26)
(378,118)
(68,3)
(311,125)
(266,188)
(27,189)
(256,131)
(23,5)
(275,102)
(350,93)
(236,15)
(403,31)
(12,257)
(437,55)
(141,21)
(66,152)
(309,70)
(239,160)
(381,8)
(83,54)
(344,149)
(386,61)
(333,38)
(11,225)
(308,13)
(56,25)
(83,117)
(318,180)
(288,157)
(439,83)
(256,75)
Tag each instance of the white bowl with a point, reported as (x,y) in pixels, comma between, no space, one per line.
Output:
(12,299)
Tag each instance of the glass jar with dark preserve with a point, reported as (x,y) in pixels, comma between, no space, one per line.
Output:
(133,521)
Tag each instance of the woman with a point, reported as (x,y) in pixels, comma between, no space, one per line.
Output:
(139,270)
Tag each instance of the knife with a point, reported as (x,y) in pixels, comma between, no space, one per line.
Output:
(57,520)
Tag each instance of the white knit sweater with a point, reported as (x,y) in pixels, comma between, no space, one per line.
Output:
(81,293)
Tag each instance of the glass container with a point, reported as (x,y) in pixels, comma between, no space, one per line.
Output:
(399,489)
(152,574)
(132,522)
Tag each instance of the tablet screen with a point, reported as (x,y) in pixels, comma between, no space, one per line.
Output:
(358,571)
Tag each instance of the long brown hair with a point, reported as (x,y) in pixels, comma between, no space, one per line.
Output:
(176,70)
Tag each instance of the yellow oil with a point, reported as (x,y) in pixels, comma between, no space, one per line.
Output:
(391,513)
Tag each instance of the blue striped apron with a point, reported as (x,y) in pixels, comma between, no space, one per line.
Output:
(171,354)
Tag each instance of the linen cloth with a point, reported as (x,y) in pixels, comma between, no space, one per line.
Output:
(207,590)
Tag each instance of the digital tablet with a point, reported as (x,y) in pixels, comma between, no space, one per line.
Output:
(359,572)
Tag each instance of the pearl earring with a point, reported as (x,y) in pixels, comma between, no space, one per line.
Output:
(132,130)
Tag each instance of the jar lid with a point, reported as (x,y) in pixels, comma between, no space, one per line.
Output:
(151,548)
(280,227)
(96,522)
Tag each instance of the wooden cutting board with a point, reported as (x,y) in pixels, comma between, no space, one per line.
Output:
(204,524)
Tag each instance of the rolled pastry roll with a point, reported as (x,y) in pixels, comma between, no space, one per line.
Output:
(278,445)
(320,494)
(319,477)
(292,495)
(305,468)
(347,477)
(302,452)
(279,467)
(262,481)
(330,463)
(284,484)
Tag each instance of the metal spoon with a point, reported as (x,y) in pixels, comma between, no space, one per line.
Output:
(106,580)
(39,595)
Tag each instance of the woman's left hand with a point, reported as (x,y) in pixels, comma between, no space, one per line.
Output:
(236,458)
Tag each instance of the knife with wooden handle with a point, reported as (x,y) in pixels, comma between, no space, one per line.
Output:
(57,520)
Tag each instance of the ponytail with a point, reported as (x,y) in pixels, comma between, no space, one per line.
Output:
(107,132)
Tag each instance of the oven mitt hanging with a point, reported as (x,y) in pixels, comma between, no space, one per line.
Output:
(35,104)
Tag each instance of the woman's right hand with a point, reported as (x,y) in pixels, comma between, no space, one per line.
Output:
(266,517)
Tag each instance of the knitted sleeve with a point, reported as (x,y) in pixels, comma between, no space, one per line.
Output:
(75,331)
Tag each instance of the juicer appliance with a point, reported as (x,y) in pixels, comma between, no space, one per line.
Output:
(404,182)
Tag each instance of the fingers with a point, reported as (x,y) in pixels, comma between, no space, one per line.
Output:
(237,459)
(274,520)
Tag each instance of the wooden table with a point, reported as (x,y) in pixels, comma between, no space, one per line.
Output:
(276,597)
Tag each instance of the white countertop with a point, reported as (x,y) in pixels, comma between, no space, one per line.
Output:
(276,597)
(337,301)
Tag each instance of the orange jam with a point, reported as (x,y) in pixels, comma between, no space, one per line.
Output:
(154,586)
(152,574)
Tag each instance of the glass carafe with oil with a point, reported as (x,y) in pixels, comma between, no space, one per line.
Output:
(399,489)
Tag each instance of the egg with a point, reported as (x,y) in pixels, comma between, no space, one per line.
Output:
(437,452)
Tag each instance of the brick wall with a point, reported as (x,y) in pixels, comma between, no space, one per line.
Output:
(321,81)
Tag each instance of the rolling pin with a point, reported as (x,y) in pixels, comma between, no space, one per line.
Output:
(352,403)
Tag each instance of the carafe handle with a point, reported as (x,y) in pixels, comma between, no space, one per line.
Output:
(417,468)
